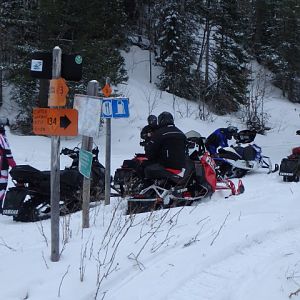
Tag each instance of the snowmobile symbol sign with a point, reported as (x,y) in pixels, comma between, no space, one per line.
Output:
(115,108)
(55,121)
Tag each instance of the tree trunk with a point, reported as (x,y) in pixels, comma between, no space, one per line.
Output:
(258,30)
(43,93)
(1,87)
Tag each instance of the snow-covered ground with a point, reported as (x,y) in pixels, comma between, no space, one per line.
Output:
(241,247)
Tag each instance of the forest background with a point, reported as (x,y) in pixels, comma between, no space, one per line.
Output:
(205,48)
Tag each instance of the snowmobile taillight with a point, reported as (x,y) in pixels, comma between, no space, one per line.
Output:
(187,195)
(139,196)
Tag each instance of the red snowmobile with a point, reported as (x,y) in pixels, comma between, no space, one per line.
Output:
(178,188)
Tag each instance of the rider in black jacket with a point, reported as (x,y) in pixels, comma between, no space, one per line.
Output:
(166,149)
(148,130)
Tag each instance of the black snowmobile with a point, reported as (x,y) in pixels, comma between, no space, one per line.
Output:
(197,181)
(243,157)
(290,166)
(29,199)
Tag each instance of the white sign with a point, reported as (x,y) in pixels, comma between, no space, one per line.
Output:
(36,65)
(89,109)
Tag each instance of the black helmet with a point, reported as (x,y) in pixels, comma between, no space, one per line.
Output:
(152,120)
(165,118)
(232,130)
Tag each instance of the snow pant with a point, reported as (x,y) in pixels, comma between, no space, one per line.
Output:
(3,186)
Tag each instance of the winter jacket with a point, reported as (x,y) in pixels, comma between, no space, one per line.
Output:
(167,147)
(147,132)
(219,138)
(6,158)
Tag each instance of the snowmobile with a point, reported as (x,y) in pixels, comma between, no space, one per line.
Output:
(176,187)
(29,199)
(290,166)
(243,157)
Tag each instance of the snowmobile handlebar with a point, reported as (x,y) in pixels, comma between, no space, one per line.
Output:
(67,151)
(75,151)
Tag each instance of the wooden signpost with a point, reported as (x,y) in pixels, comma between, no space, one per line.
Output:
(56,121)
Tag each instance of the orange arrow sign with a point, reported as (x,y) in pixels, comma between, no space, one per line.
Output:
(106,90)
(55,121)
(58,91)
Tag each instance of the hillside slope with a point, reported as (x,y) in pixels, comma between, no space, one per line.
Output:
(243,247)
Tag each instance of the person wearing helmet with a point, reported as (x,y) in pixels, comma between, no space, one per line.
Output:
(6,161)
(166,148)
(148,129)
(219,138)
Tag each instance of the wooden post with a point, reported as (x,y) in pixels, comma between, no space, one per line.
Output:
(55,169)
(107,161)
(107,157)
(87,144)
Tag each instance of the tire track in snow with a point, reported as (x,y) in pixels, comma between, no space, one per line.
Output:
(242,275)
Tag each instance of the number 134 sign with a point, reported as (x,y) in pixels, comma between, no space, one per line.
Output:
(55,121)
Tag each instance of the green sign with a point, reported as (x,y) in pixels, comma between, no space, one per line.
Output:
(85,163)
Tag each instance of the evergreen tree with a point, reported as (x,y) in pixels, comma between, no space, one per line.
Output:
(277,32)
(94,29)
(175,30)
(19,31)
(287,60)
(231,73)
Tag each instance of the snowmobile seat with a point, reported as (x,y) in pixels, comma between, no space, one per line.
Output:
(130,163)
(178,179)
(25,173)
(174,176)
(223,153)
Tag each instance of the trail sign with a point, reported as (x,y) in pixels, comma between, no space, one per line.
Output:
(85,162)
(58,91)
(115,108)
(89,109)
(55,121)
(71,66)
(41,65)
(106,90)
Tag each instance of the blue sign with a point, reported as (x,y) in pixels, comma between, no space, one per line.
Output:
(115,108)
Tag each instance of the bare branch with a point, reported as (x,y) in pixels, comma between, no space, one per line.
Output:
(62,279)
(42,232)
(219,230)
(44,259)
